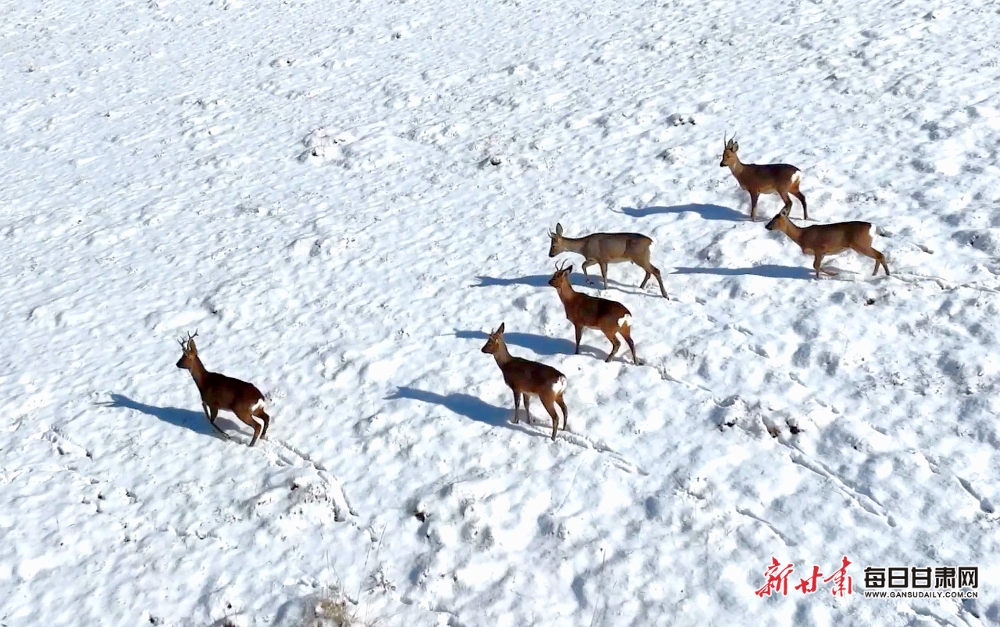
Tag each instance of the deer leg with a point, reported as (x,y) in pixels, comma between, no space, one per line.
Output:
(816,265)
(627,334)
(788,202)
(257,429)
(645,265)
(880,258)
(565,413)
(266,420)
(586,264)
(604,273)
(579,335)
(527,412)
(615,343)
(517,404)
(877,256)
(753,206)
(211,419)
(247,418)
(802,199)
(653,270)
(550,407)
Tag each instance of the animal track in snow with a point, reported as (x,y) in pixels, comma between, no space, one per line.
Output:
(866,502)
(788,541)
(286,454)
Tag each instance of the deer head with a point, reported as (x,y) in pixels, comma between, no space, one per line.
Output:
(495,340)
(561,275)
(557,241)
(778,222)
(190,352)
(729,149)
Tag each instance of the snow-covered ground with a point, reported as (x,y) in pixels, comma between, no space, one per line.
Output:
(345,198)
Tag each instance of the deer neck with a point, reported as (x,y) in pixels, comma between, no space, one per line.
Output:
(792,231)
(736,167)
(502,355)
(566,293)
(574,244)
(198,372)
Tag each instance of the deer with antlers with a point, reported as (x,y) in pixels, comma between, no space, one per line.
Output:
(820,240)
(603,248)
(221,392)
(770,178)
(529,378)
(583,310)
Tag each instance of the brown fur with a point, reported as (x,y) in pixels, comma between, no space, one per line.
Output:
(770,178)
(820,240)
(588,311)
(221,392)
(604,248)
(525,377)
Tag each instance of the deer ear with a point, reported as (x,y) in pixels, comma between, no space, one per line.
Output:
(500,329)
(736,146)
(558,229)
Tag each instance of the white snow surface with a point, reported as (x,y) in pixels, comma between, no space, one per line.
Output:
(345,198)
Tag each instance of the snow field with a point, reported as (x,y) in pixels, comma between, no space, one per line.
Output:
(345,200)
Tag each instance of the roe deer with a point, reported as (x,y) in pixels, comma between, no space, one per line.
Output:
(771,178)
(588,311)
(605,248)
(829,239)
(527,378)
(221,392)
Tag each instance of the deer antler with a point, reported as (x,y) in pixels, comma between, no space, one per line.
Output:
(186,343)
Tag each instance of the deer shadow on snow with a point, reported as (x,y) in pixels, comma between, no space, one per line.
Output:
(577,278)
(480,411)
(707,212)
(770,271)
(186,418)
(538,344)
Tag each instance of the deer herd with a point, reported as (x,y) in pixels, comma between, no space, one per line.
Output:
(528,378)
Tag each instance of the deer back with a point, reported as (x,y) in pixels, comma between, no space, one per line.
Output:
(768,177)
(592,311)
(833,238)
(218,390)
(612,247)
(522,375)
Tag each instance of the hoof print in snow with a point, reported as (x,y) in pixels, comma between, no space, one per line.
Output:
(323,145)
(677,119)
(420,516)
